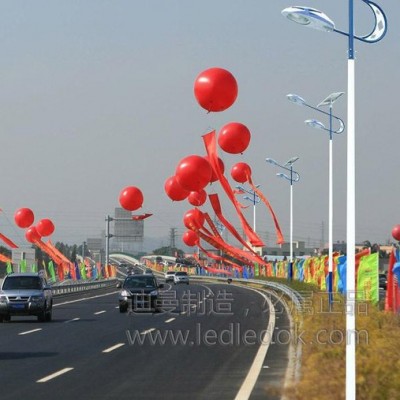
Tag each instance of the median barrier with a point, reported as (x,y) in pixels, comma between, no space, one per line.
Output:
(61,289)
(293,295)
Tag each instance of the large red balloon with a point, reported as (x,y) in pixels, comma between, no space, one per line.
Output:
(396,232)
(197,198)
(45,227)
(194,219)
(32,235)
(241,172)
(221,164)
(174,190)
(215,89)
(234,138)
(190,238)
(24,217)
(193,173)
(131,198)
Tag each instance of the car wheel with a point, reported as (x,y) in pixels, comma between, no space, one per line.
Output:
(123,309)
(187,283)
(49,314)
(42,316)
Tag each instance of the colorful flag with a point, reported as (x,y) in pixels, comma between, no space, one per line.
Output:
(22,266)
(82,268)
(342,271)
(52,273)
(9,268)
(368,278)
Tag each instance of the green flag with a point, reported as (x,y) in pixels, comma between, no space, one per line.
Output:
(256,270)
(9,268)
(33,268)
(82,268)
(368,278)
(51,271)
(22,266)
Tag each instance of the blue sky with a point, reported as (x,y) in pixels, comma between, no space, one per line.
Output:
(98,95)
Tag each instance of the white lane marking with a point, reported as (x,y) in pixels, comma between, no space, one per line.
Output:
(169,320)
(100,312)
(251,378)
(117,307)
(28,332)
(72,320)
(183,312)
(148,331)
(210,292)
(84,298)
(52,376)
(117,346)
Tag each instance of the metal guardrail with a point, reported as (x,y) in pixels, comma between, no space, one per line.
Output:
(77,287)
(293,295)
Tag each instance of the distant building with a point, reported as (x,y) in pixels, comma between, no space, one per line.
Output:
(95,246)
(23,253)
(128,234)
(283,250)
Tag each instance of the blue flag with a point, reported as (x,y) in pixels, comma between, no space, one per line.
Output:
(342,269)
(77,271)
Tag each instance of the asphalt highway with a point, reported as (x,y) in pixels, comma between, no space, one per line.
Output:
(202,346)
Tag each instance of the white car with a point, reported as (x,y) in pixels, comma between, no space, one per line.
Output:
(181,277)
(169,276)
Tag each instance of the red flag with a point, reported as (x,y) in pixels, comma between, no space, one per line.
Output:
(216,205)
(140,217)
(6,240)
(390,283)
(279,236)
(211,147)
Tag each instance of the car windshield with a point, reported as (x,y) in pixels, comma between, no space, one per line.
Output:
(139,282)
(181,274)
(22,282)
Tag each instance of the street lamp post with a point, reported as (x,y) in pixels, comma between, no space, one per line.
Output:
(293,177)
(319,125)
(253,198)
(318,20)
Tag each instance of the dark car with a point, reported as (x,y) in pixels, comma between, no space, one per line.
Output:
(382,281)
(26,294)
(141,293)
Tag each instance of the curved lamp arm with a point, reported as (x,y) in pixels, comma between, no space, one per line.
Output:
(380,26)
(316,19)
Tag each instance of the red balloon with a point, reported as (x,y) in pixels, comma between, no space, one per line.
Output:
(396,232)
(221,164)
(45,227)
(234,138)
(190,238)
(193,173)
(131,198)
(197,198)
(174,190)
(194,219)
(215,89)
(241,172)
(24,217)
(32,235)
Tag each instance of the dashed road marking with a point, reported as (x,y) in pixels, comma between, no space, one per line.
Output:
(55,375)
(118,345)
(28,332)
